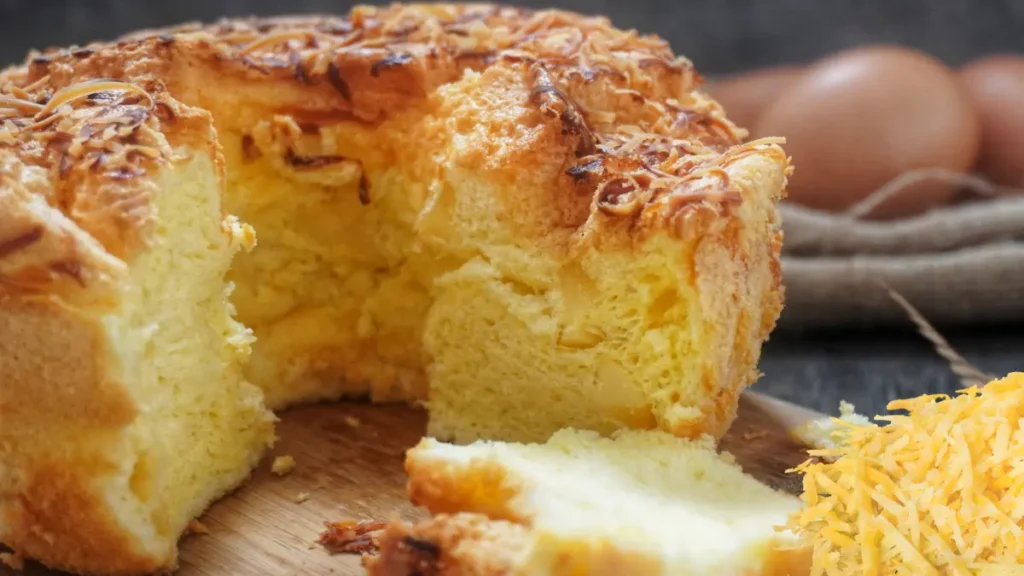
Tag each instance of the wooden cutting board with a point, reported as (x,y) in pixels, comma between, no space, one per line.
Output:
(349,464)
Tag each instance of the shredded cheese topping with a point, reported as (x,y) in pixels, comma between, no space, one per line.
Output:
(93,126)
(937,491)
(647,141)
(87,88)
(277,38)
(630,101)
(16,104)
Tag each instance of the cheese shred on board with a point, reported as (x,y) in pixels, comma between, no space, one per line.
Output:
(939,490)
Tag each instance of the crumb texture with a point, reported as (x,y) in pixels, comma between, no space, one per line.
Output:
(282,465)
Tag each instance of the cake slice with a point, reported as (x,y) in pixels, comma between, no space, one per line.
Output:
(124,410)
(639,502)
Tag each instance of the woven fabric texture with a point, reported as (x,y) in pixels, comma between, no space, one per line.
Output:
(961,264)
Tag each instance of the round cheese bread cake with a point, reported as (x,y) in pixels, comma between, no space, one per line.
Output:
(525,220)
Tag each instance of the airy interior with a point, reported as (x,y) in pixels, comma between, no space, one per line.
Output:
(656,495)
(203,426)
(352,292)
(332,291)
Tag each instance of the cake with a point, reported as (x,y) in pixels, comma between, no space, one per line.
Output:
(638,502)
(937,490)
(523,220)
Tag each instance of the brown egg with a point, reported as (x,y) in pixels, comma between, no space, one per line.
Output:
(744,96)
(996,87)
(860,118)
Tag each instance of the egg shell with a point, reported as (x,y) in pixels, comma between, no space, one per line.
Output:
(745,95)
(864,116)
(996,88)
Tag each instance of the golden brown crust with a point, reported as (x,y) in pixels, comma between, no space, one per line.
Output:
(54,507)
(94,135)
(639,142)
(63,520)
(483,487)
(79,157)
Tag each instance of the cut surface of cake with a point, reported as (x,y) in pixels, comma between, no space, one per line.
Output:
(525,220)
(639,502)
(123,407)
(938,490)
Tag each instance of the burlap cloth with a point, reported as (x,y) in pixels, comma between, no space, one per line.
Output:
(956,265)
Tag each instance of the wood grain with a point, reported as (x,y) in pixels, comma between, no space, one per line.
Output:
(349,462)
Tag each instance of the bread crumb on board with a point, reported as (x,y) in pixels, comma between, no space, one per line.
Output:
(197,527)
(12,560)
(282,465)
(301,497)
(351,537)
(352,421)
(829,432)
(751,435)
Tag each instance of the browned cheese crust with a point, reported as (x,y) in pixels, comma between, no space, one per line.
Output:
(613,121)
(640,147)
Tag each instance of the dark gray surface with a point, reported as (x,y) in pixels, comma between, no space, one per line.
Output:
(720,36)
(871,368)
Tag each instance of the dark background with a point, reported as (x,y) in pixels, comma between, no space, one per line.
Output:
(868,368)
(720,36)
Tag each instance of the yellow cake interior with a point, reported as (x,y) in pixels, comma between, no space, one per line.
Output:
(385,261)
(202,426)
(333,291)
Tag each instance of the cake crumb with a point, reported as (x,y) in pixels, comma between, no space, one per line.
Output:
(352,421)
(301,497)
(283,465)
(829,433)
(12,560)
(197,527)
(351,537)
(754,435)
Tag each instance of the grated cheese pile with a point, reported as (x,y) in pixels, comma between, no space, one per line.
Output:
(937,491)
